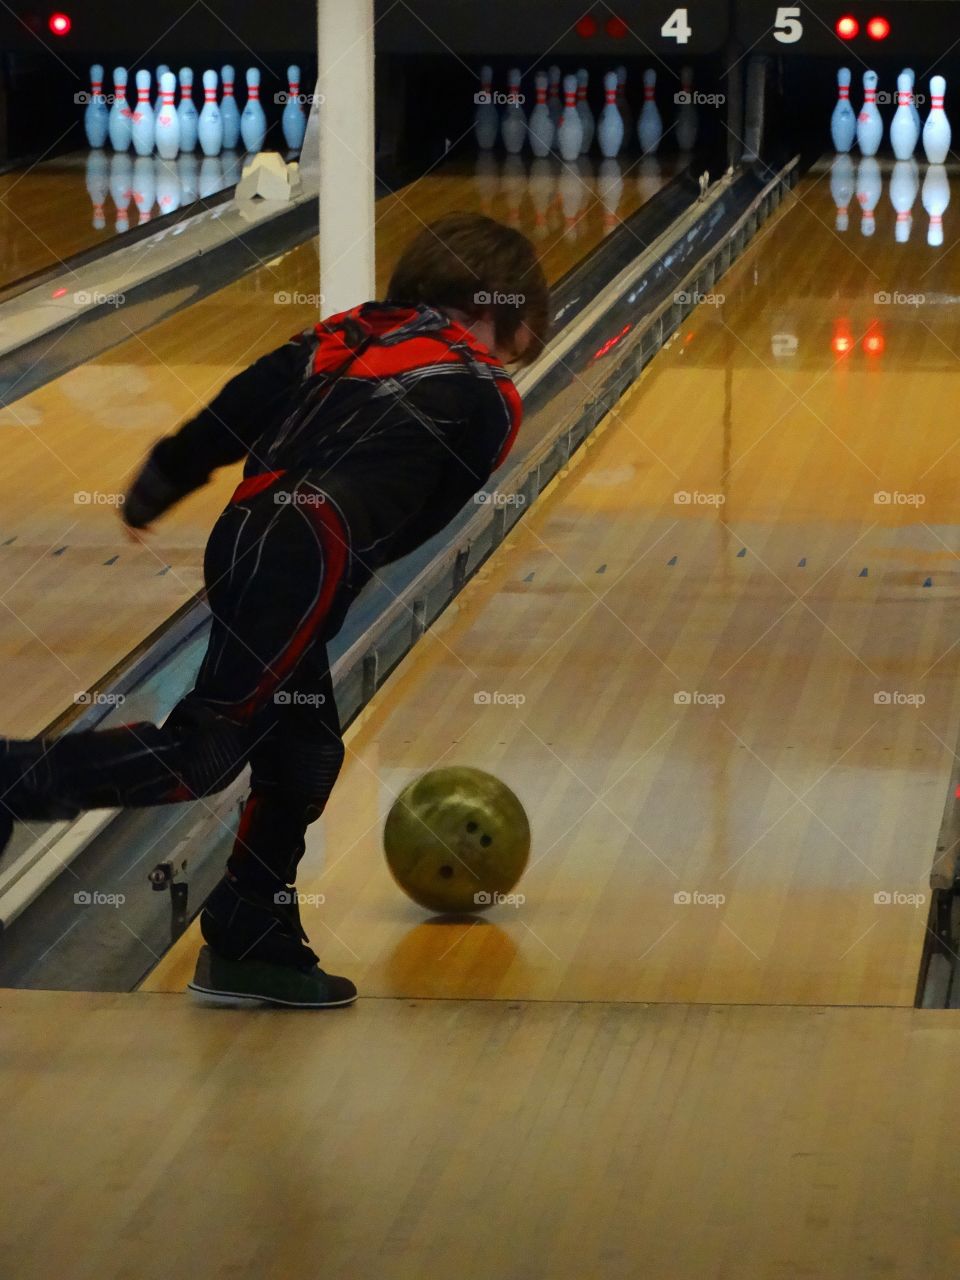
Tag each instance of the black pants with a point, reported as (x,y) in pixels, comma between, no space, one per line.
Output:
(274,570)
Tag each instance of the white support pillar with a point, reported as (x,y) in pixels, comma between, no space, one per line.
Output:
(345,35)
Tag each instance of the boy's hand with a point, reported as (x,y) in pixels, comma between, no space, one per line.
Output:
(137,535)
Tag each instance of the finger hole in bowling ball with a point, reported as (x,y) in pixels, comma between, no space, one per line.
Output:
(471,827)
(486,841)
(445,873)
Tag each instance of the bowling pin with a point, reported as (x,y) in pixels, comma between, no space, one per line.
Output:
(229,111)
(688,124)
(570,129)
(161,71)
(583,110)
(623,105)
(144,186)
(167,127)
(935,196)
(232,163)
(842,184)
(98,184)
(903,131)
(121,188)
(904,185)
(540,126)
(610,124)
(293,122)
(120,122)
(869,187)
(869,123)
(210,122)
(649,178)
(649,125)
(554,100)
(908,71)
(936,128)
(610,190)
(187,171)
(513,127)
(843,123)
(168,185)
(211,173)
(486,118)
(142,129)
(187,112)
(96,117)
(253,122)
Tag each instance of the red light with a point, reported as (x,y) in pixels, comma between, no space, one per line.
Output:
(878,28)
(616,28)
(842,342)
(59,24)
(586,28)
(873,342)
(847,27)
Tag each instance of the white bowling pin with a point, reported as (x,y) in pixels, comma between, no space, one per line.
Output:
(570,129)
(843,123)
(514,124)
(144,187)
(120,123)
(688,123)
(167,127)
(121,188)
(649,125)
(540,125)
(842,183)
(161,70)
(936,128)
(98,184)
(554,99)
(210,122)
(610,124)
(869,187)
(143,121)
(253,122)
(293,122)
(610,190)
(486,118)
(935,196)
(583,110)
(623,105)
(904,185)
(187,111)
(903,131)
(869,123)
(96,117)
(229,111)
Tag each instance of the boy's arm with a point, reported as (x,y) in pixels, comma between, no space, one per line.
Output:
(222,433)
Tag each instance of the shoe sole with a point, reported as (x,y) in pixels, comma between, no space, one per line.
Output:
(235,999)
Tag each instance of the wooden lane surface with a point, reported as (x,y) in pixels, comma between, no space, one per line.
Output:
(75,596)
(401,1139)
(796,818)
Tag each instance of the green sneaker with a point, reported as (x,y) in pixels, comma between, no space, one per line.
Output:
(252,982)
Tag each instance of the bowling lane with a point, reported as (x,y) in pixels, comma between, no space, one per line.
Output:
(61,207)
(718,668)
(77,597)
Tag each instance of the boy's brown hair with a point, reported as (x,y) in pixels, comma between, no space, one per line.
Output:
(477,265)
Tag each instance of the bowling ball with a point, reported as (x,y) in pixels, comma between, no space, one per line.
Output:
(456,837)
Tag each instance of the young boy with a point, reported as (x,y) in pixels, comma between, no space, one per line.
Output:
(363,436)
